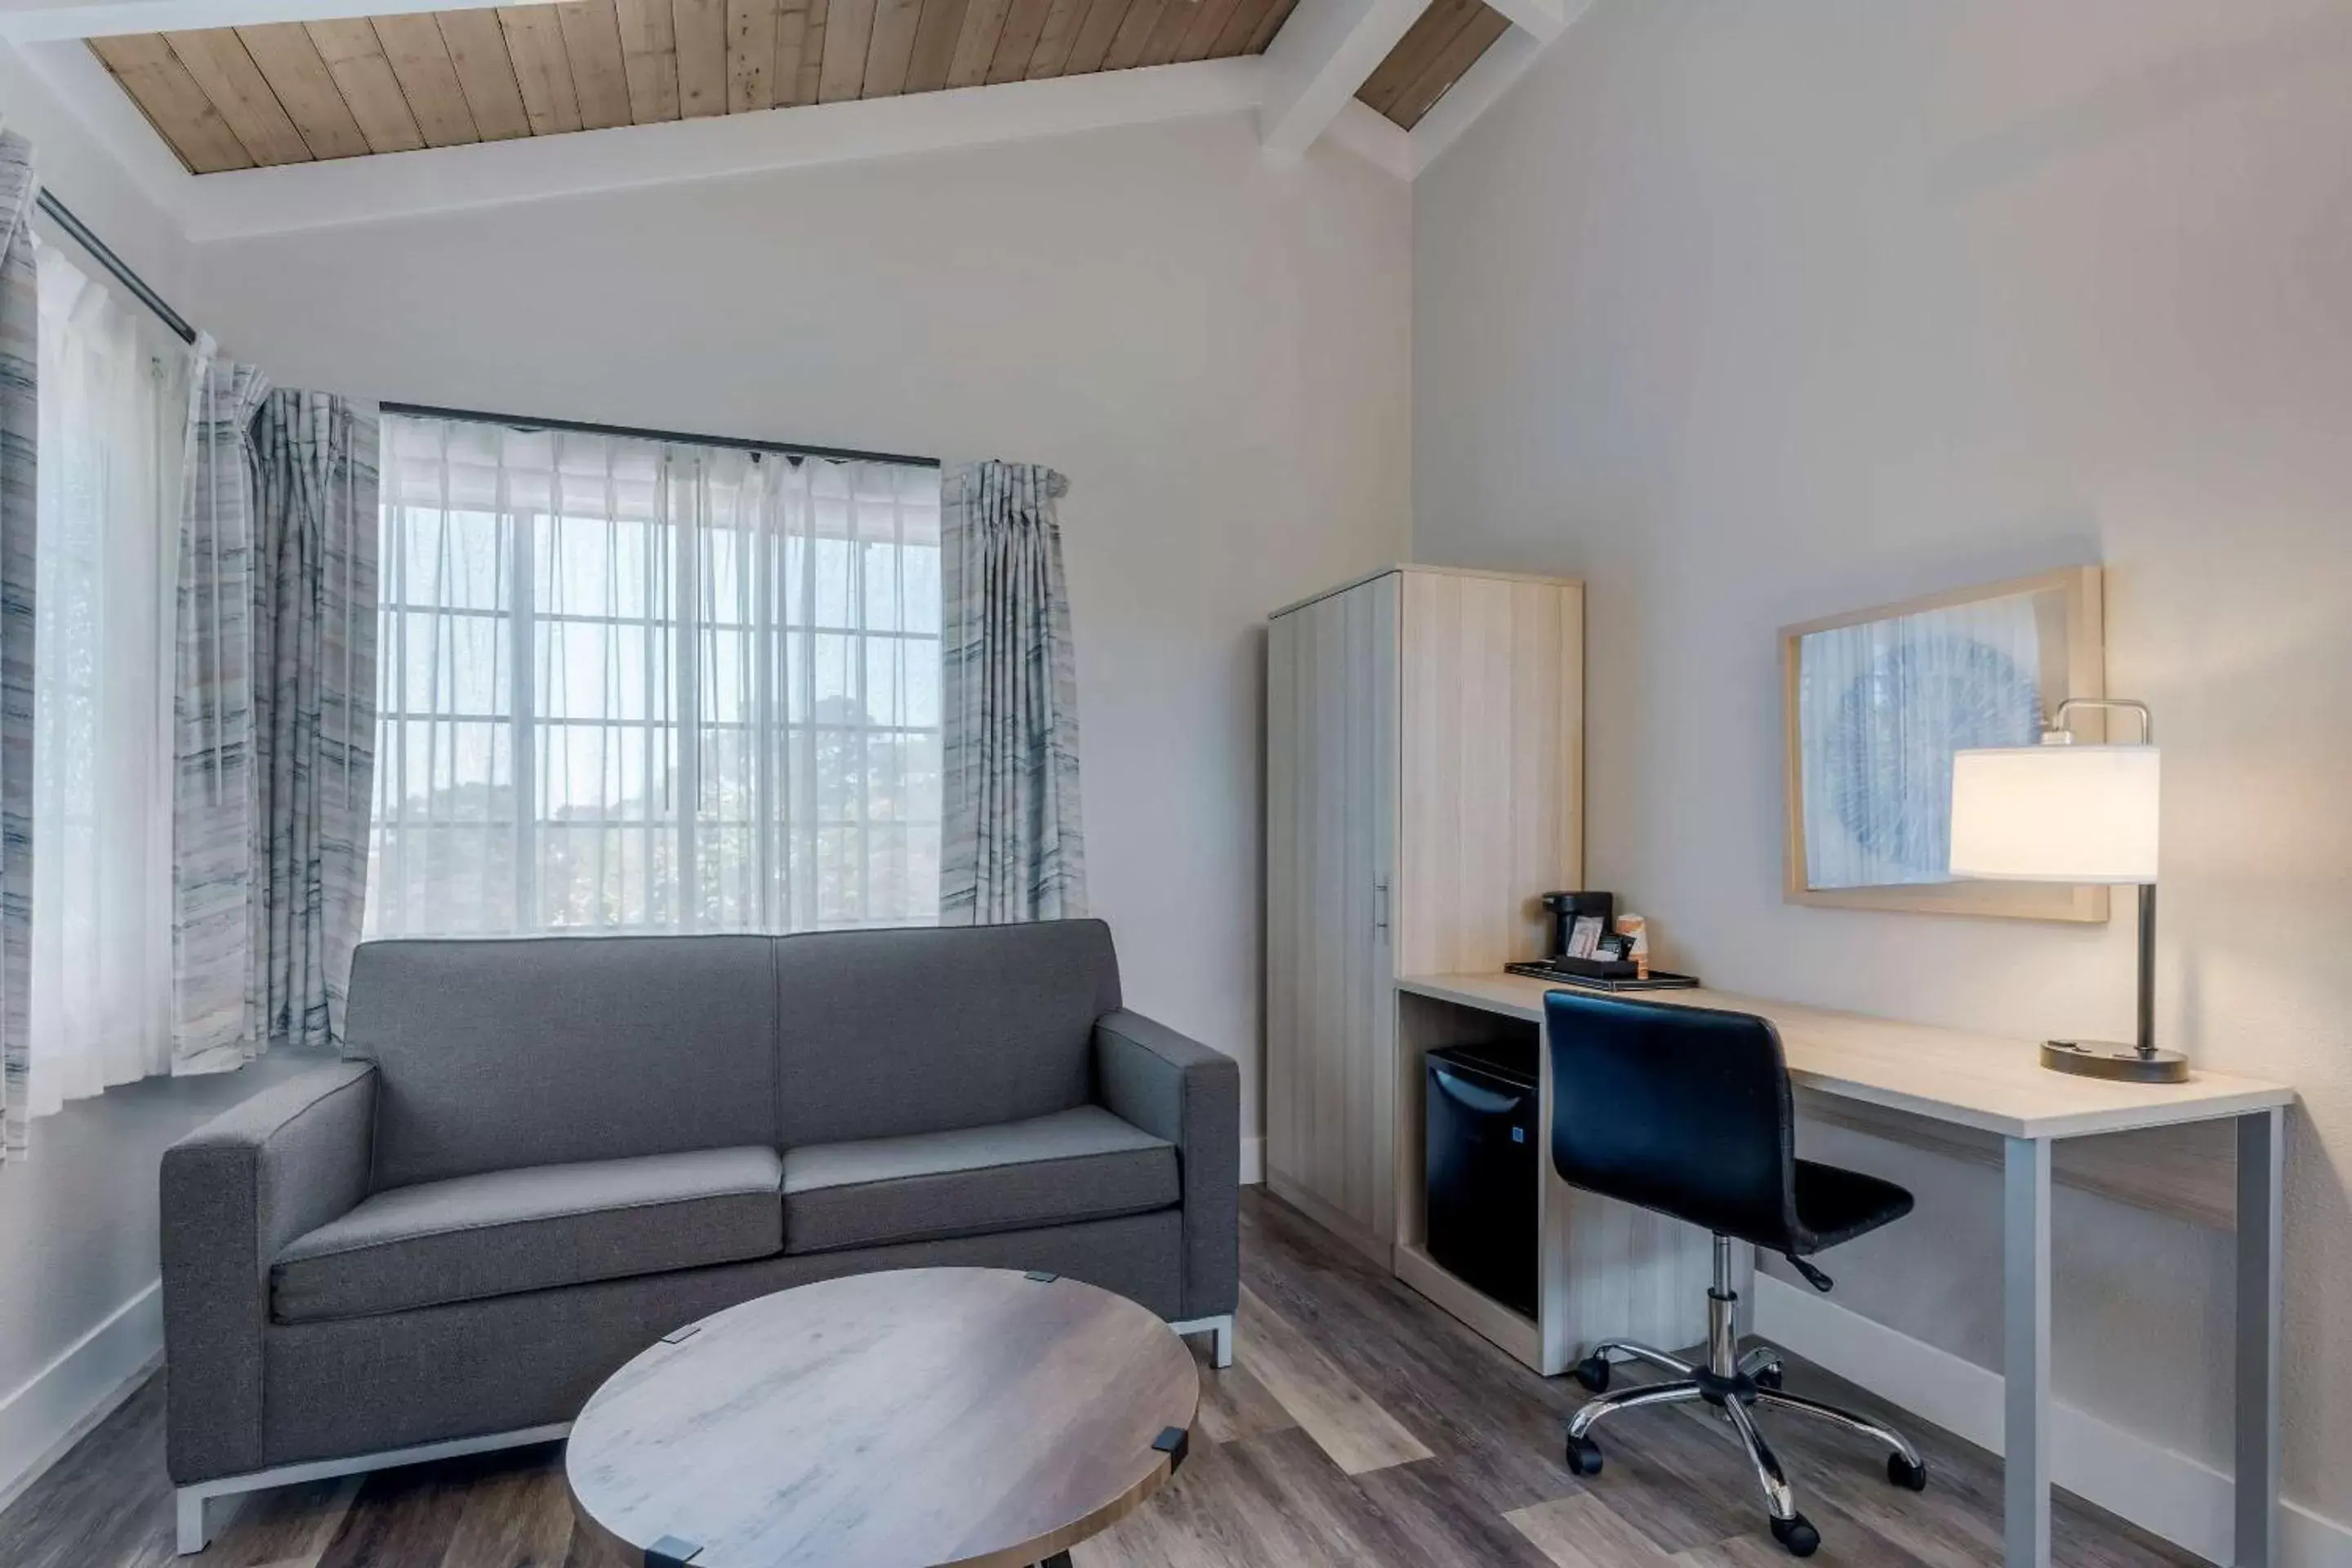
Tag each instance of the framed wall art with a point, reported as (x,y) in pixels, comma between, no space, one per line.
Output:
(1878,700)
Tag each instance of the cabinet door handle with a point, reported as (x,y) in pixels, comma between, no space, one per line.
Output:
(1476,1097)
(1381,904)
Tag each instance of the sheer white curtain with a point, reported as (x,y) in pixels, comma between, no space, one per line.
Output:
(113,391)
(633,685)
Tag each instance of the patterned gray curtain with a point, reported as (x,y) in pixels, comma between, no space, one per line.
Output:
(1013,847)
(20,428)
(277,715)
(215,795)
(314,701)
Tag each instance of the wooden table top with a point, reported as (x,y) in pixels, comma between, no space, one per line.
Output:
(1986,1081)
(920,1416)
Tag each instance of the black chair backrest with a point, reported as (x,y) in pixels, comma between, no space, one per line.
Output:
(1686,1111)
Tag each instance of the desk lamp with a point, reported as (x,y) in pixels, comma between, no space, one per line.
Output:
(2064,811)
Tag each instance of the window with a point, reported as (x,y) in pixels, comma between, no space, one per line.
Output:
(635,686)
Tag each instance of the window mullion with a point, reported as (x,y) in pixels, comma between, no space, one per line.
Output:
(807,907)
(759,745)
(687,631)
(861,763)
(661,903)
(392,553)
(523,734)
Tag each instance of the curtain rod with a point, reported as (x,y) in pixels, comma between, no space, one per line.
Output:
(104,255)
(684,438)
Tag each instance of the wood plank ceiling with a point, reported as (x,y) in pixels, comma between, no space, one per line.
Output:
(294,92)
(1430,57)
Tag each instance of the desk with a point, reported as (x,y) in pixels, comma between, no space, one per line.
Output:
(1999,1086)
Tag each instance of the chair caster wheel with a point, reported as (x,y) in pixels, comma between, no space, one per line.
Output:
(1796,1535)
(1767,1377)
(1583,1455)
(1911,1475)
(1593,1372)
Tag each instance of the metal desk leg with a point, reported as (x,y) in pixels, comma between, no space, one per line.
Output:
(2025,1340)
(2261,1171)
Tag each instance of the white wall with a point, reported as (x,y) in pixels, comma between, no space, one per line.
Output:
(1752,313)
(1216,354)
(86,177)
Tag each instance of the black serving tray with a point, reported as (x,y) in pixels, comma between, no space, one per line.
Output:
(1603,974)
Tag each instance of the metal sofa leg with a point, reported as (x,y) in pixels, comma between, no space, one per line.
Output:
(189,1506)
(208,1505)
(1222,1327)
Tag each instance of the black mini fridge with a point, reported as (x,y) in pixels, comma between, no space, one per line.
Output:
(1483,1143)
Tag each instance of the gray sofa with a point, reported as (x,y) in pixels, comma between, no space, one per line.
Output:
(542,1155)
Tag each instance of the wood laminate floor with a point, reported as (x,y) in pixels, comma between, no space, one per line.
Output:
(1360,1426)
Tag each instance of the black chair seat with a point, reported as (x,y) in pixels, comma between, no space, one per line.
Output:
(1834,1205)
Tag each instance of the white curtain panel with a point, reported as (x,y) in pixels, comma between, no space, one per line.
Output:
(1881,708)
(112,391)
(630,685)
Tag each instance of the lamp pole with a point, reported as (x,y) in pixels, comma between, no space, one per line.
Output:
(2065,1055)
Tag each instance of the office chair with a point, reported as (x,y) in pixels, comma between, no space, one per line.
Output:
(1686,1111)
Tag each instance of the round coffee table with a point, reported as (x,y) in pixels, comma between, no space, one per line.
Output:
(922,1416)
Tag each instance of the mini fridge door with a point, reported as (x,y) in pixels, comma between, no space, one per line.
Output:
(1481,1171)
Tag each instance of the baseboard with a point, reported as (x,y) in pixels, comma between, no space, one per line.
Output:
(1252,1162)
(2185,1500)
(82,1386)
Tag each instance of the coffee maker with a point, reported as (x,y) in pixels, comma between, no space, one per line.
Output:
(1566,909)
(1596,969)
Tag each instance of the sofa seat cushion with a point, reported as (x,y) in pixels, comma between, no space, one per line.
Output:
(532,1229)
(1072,1165)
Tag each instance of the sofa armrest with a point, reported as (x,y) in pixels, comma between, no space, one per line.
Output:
(1178,1088)
(235,1192)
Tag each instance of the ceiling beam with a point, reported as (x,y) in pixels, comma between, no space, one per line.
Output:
(1542,20)
(294,196)
(48,21)
(1313,67)
(1480,87)
(1373,137)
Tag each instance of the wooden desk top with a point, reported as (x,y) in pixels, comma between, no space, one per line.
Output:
(1951,1075)
(921,1417)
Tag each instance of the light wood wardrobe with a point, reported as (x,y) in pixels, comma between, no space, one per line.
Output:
(1425,786)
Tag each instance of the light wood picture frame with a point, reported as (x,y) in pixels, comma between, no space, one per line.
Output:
(2045,634)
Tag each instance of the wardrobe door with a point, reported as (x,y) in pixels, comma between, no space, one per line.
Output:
(1493,811)
(1331,732)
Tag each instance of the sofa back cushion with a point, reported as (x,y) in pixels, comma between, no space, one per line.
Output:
(889,1033)
(507,1052)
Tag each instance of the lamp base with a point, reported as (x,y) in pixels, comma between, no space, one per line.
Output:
(2113,1059)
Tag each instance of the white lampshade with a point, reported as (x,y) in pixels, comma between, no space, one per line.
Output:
(2055,814)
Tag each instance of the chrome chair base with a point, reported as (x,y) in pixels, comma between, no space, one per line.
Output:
(1737,1386)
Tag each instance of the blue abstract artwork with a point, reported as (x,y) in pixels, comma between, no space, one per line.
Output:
(1881,706)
